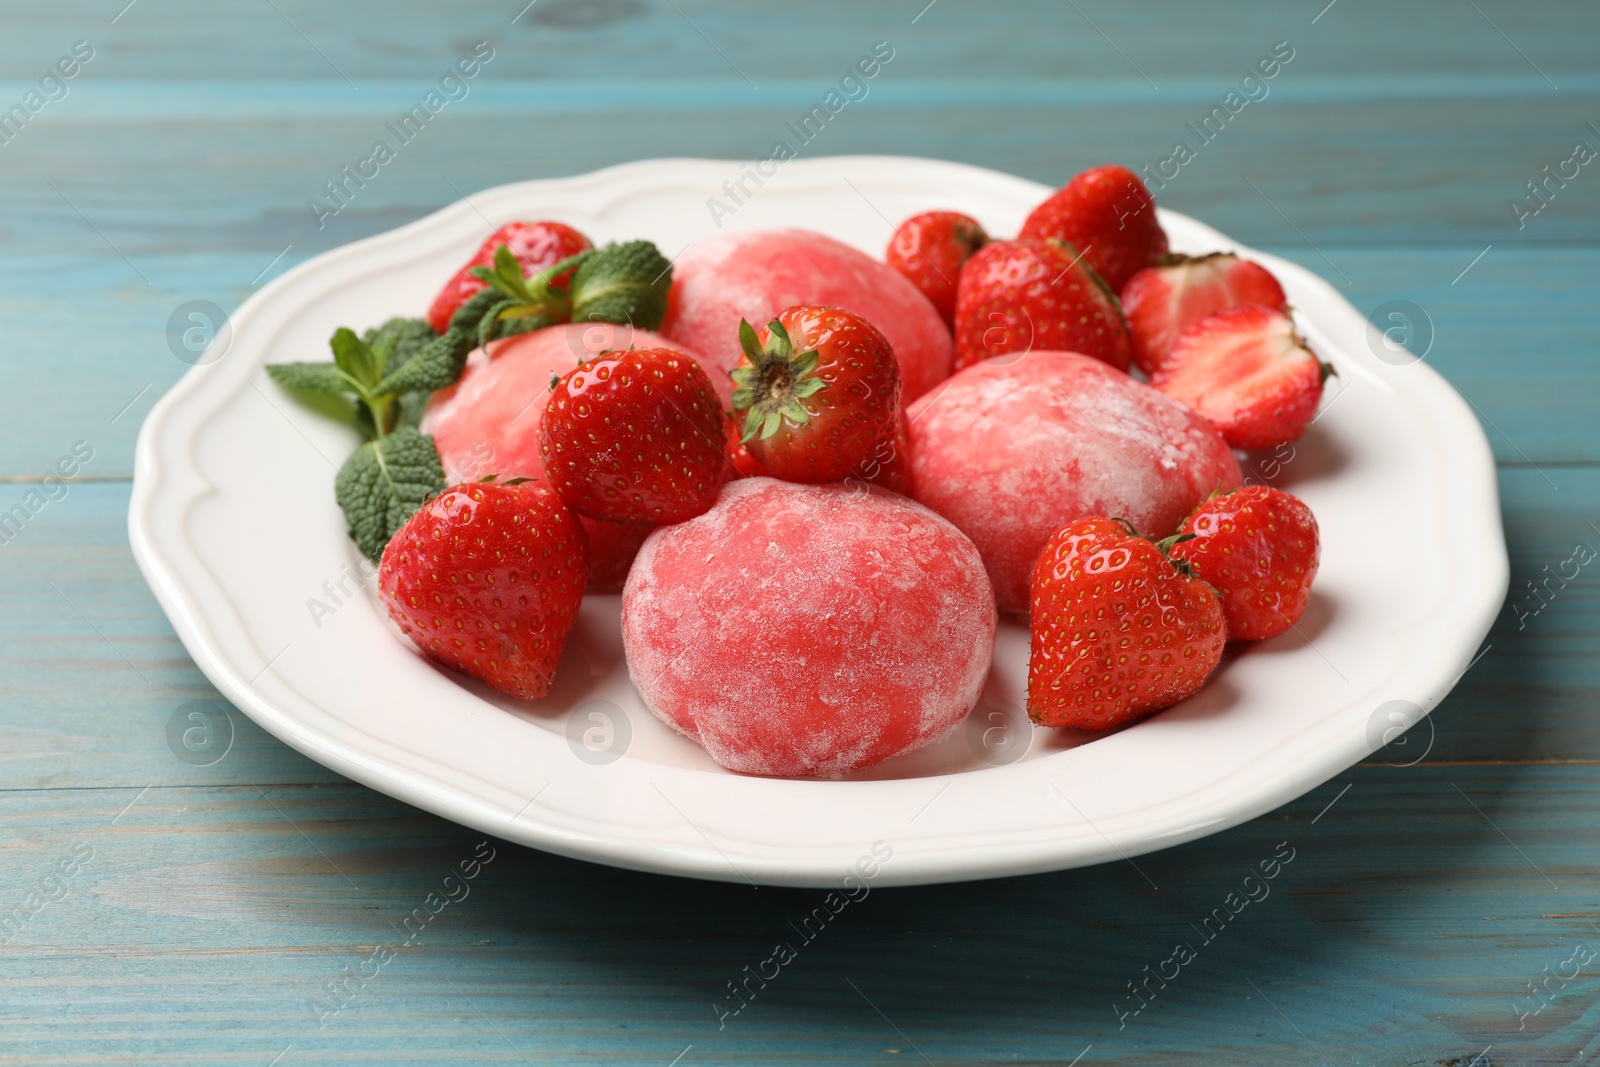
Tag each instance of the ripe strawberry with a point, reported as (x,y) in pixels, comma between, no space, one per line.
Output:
(487,578)
(1246,370)
(1161,302)
(1109,214)
(1258,548)
(819,388)
(738,455)
(1118,629)
(534,244)
(1018,296)
(634,436)
(930,248)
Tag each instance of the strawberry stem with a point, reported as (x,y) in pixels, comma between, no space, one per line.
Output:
(1166,543)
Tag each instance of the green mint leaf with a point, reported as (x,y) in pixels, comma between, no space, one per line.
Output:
(436,365)
(508,270)
(524,324)
(438,362)
(365,423)
(397,340)
(383,483)
(410,408)
(488,327)
(355,358)
(623,283)
(468,315)
(505,277)
(312,377)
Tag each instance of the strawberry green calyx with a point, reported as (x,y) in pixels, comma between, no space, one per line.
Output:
(1179,259)
(1164,546)
(1166,543)
(971,235)
(770,388)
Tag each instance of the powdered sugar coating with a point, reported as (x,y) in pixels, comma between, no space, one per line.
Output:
(488,421)
(1012,450)
(809,630)
(756,275)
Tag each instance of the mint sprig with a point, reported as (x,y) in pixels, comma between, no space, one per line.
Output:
(387,375)
(622,283)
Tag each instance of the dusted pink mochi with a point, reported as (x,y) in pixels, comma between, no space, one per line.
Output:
(488,422)
(809,630)
(1013,449)
(756,275)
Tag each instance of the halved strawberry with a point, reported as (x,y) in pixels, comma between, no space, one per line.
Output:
(1161,302)
(1246,370)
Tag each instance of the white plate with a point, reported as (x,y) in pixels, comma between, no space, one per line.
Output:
(234,524)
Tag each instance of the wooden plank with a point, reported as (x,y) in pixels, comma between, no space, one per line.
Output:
(207,924)
(92,673)
(1024,41)
(1385,126)
(1533,694)
(1352,171)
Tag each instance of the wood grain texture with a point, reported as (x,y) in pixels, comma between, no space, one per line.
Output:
(208,922)
(217,903)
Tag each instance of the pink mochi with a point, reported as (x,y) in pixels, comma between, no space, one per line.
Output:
(756,275)
(1013,449)
(488,421)
(809,630)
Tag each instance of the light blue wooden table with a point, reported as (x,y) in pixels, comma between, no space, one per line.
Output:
(162,912)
